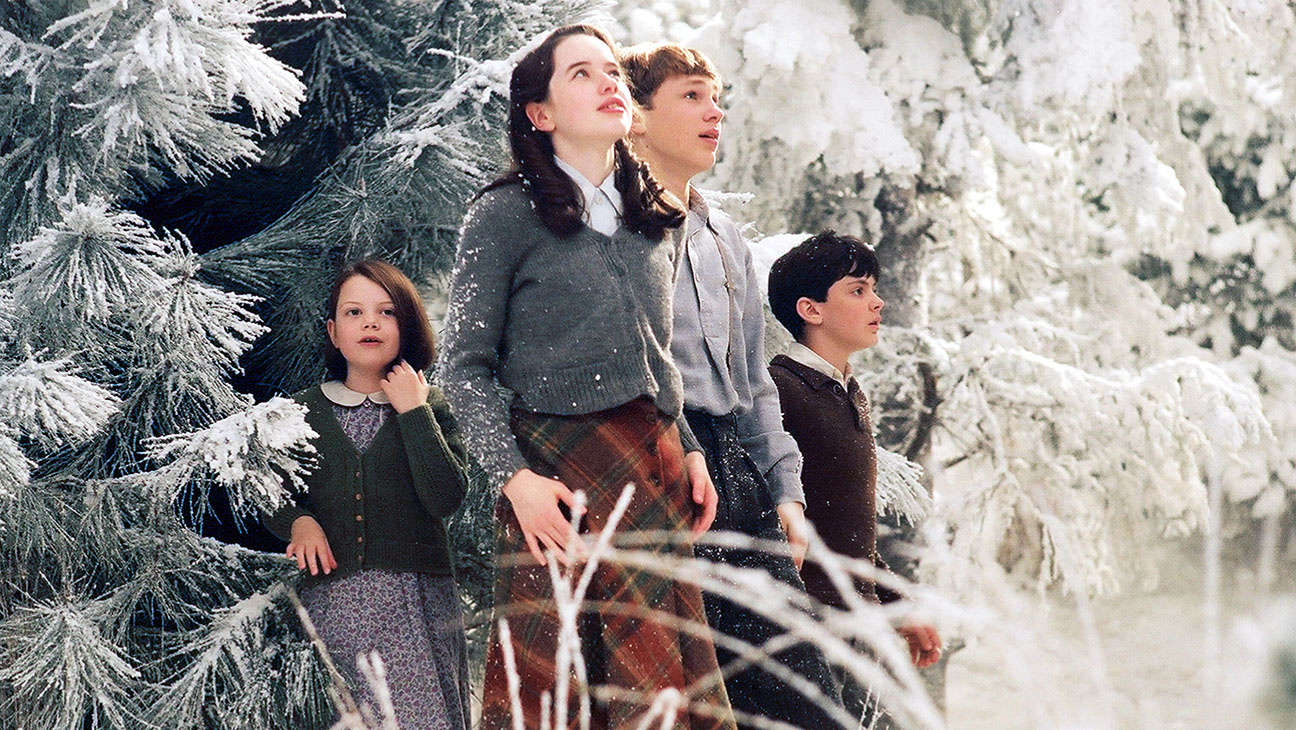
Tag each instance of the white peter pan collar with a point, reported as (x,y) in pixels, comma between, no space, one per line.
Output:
(337,392)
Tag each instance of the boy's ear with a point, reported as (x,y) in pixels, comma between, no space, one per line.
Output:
(808,310)
(638,122)
(539,116)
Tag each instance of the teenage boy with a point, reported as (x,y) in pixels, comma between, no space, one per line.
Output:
(730,402)
(824,293)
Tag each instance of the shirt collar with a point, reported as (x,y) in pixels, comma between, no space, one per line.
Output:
(588,189)
(698,204)
(815,361)
(337,392)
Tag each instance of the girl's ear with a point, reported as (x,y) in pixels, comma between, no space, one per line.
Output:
(332,331)
(540,117)
(808,310)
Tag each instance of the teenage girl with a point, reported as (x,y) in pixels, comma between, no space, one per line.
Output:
(557,360)
(370,531)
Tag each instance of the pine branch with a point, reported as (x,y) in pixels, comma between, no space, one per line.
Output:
(253,454)
(77,272)
(51,405)
(63,673)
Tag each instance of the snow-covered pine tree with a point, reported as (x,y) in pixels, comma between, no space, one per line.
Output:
(137,140)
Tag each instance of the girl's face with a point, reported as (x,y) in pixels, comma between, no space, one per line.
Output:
(365,328)
(588,104)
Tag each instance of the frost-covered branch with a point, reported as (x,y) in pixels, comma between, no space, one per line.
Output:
(900,490)
(80,270)
(227,658)
(49,404)
(257,455)
(15,468)
(190,318)
(63,674)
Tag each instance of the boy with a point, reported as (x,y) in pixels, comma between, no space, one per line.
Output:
(731,404)
(823,291)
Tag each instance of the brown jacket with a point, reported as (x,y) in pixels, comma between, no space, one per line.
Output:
(831,426)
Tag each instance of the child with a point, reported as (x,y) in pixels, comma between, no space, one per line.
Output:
(823,292)
(560,301)
(370,532)
(731,404)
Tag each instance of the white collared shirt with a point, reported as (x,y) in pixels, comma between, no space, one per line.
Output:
(815,361)
(337,392)
(602,203)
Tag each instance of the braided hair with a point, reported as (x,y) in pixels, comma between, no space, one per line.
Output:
(646,207)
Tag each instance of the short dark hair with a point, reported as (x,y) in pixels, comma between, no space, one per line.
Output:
(648,66)
(417,345)
(811,268)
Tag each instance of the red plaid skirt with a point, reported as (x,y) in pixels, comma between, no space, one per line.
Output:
(632,640)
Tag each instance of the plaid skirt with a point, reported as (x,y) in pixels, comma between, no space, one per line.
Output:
(641,632)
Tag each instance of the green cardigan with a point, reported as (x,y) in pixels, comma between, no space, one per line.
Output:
(383,508)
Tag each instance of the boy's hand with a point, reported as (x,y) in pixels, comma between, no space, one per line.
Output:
(405,387)
(535,504)
(310,546)
(924,643)
(704,491)
(792,517)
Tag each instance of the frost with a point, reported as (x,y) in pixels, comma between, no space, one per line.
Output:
(900,490)
(51,405)
(15,468)
(86,266)
(252,453)
(766,50)
(88,679)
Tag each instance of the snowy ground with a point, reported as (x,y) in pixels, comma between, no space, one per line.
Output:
(1153,666)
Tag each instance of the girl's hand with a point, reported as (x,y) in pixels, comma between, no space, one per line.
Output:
(535,502)
(704,492)
(405,387)
(310,546)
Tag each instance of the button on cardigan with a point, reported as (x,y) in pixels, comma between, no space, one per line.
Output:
(382,508)
(563,325)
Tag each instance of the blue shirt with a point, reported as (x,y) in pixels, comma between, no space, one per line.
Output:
(718,344)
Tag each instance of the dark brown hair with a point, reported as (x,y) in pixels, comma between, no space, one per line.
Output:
(810,270)
(647,66)
(416,339)
(646,206)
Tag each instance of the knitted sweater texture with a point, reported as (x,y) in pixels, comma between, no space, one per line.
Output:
(382,508)
(832,428)
(563,325)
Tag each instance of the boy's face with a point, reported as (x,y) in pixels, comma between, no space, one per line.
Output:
(850,317)
(679,135)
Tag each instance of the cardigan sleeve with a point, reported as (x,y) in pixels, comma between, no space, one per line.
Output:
(480,287)
(280,523)
(435,453)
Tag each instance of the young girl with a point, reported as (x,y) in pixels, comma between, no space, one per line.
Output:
(370,533)
(557,360)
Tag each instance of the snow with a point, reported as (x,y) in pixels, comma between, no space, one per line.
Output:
(48,403)
(1034,673)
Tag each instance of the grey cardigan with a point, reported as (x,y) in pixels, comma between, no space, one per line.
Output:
(563,325)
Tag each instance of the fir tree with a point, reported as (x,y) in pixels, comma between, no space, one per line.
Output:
(178,182)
